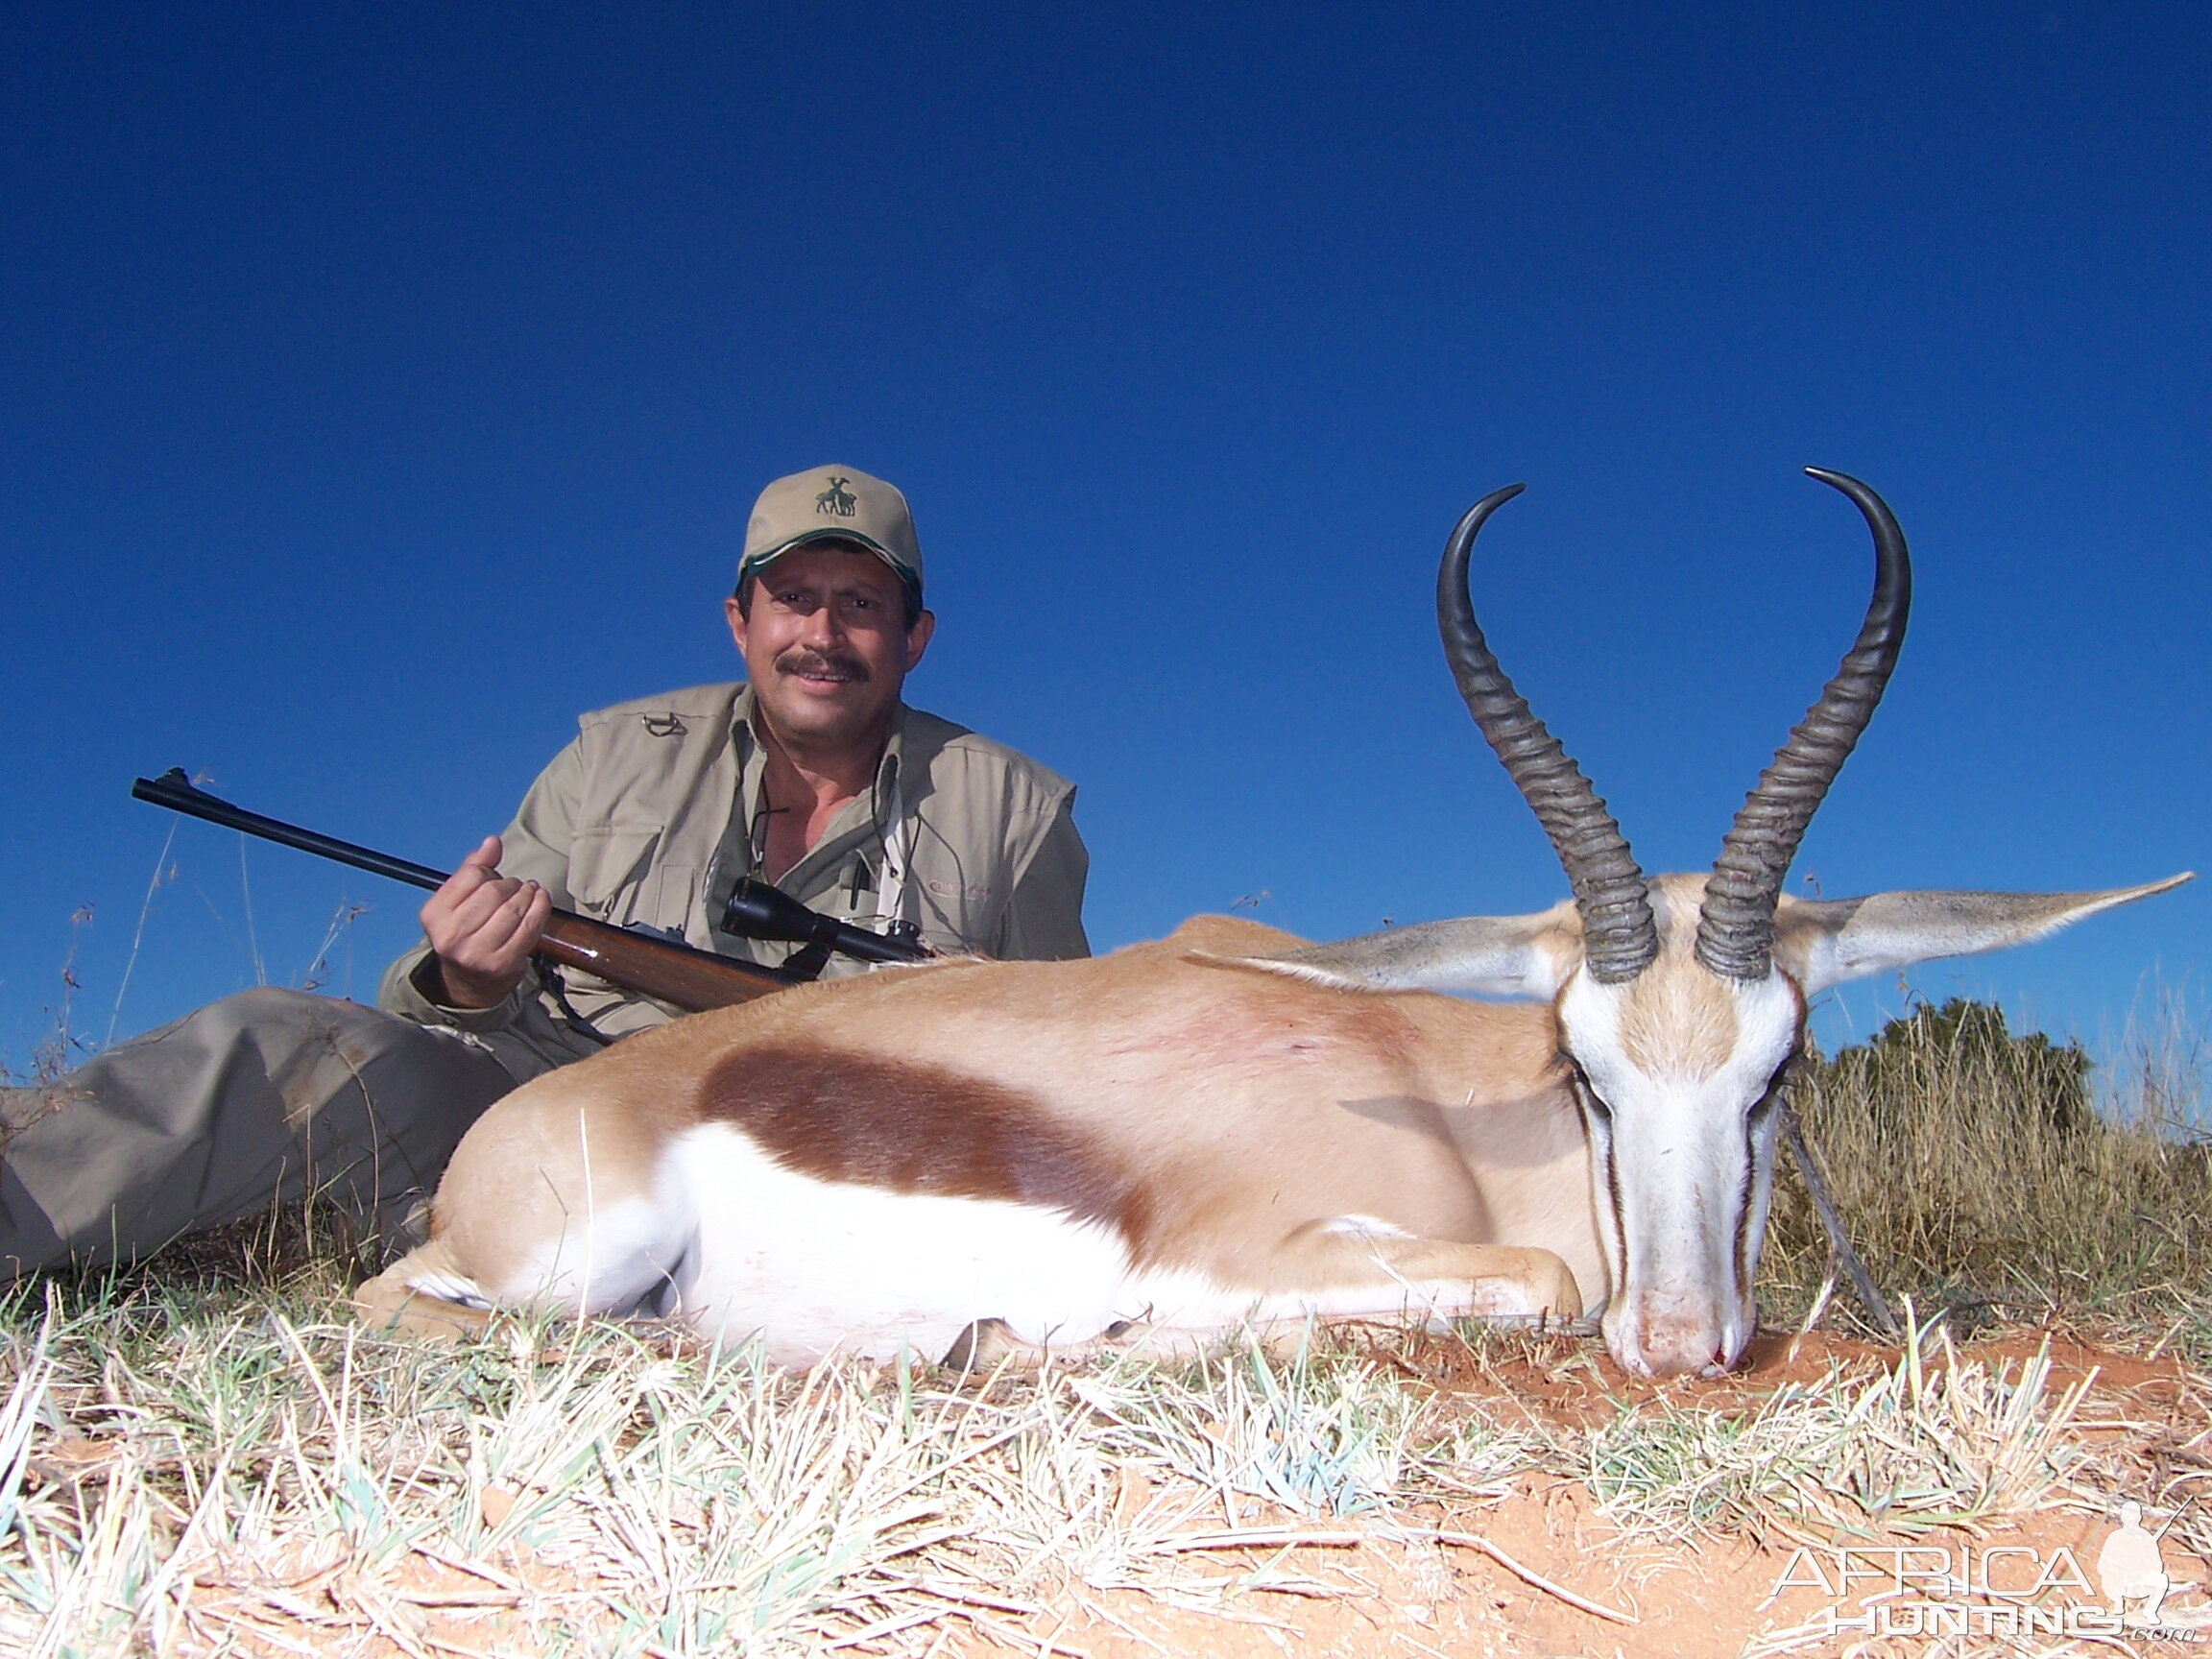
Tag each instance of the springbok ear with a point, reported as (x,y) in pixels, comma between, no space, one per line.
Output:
(1822,943)
(1499,955)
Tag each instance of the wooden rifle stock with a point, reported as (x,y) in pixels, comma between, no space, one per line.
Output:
(693,980)
(665,969)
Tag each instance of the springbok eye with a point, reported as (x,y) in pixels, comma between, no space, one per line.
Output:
(1589,1098)
(1763,1108)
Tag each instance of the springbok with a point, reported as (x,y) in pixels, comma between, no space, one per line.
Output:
(1228,1125)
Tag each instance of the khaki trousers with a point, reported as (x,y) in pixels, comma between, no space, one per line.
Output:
(256,1100)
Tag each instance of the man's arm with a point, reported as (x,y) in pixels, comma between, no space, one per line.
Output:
(491,909)
(1044,919)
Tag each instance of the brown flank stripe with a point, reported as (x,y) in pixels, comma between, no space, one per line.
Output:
(912,1128)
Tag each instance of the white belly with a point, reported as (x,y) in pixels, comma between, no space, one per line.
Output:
(813,1267)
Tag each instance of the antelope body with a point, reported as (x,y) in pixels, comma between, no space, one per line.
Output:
(1227,1126)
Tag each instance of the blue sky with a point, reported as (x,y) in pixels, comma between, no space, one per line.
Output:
(381,386)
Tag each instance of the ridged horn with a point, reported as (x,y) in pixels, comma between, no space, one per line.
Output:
(1620,938)
(1736,928)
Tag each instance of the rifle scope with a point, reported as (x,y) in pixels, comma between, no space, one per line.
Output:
(758,911)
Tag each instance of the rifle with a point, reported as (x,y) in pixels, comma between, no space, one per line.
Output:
(662,967)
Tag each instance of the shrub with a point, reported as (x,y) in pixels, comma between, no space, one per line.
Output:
(1974,1172)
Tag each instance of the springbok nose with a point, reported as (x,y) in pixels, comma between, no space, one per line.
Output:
(1664,1336)
(1659,1364)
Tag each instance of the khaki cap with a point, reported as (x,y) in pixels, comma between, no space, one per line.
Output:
(832,504)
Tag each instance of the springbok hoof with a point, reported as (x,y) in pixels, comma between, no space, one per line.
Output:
(981,1346)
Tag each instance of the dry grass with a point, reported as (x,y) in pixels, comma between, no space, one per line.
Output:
(1937,1442)
(185,1467)
(1978,1174)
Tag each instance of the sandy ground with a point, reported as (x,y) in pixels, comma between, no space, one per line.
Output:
(1715,1600)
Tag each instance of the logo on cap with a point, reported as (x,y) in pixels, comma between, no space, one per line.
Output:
(837,501)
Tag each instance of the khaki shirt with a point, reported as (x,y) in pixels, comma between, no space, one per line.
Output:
(652,814)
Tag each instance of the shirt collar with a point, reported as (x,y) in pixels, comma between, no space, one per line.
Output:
(753,764)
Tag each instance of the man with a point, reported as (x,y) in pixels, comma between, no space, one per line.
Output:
(812,774)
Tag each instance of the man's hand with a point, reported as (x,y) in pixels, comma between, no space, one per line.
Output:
(483,926)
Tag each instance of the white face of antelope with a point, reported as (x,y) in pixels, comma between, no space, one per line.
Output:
(1679,1074)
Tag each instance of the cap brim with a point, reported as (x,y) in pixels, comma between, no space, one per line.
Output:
(753,563)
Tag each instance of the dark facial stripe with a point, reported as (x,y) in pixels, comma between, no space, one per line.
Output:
(1743,1211)
(1768,1103)
(1597,1125)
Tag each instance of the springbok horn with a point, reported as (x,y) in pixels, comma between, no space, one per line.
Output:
(1620,938)
(1736,928)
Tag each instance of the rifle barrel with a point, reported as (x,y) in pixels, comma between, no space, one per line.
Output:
(665,967)
(176,791)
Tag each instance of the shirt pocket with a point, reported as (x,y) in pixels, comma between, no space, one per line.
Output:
(608,870)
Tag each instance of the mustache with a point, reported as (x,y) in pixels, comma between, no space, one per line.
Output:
(831,664)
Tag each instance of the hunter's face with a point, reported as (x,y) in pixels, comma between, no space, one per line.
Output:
(827,646)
